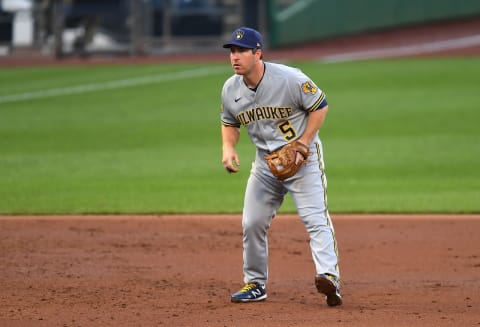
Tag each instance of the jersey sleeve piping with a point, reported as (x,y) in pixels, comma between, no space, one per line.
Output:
(226,124)
(320,103)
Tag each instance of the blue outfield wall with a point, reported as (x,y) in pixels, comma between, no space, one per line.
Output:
(308,20)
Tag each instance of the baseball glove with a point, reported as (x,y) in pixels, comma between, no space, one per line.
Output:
(282,162)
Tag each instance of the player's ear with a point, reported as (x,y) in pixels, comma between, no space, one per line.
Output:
(259,51)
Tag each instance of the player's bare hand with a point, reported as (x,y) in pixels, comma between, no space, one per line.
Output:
(299,158)
(231,161)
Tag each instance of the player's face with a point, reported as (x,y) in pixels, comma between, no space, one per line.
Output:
(243,60)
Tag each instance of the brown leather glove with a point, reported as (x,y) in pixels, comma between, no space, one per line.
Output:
(282,162)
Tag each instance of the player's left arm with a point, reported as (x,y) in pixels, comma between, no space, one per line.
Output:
(314,101)
(315,121)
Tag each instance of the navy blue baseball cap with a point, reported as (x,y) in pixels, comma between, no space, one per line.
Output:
(245,37)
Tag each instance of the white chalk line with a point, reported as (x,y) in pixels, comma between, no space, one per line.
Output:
(414,49)
(145,80)
(293,9)
(111,85)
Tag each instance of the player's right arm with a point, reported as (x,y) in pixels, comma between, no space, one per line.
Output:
(230,137)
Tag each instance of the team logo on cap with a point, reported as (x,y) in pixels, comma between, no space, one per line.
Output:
(309,87)
(239,34)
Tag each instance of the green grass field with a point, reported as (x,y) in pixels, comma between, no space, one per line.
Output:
(401,136)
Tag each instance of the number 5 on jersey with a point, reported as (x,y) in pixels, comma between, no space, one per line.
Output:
(287,130)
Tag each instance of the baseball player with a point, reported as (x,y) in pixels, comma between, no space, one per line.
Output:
(277,105)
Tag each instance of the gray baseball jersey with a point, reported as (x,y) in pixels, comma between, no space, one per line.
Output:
(275,114)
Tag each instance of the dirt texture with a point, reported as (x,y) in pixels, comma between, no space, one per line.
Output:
(181,270)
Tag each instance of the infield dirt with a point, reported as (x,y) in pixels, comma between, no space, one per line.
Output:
(181,271)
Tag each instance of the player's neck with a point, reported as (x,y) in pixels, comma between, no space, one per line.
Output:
(255,76)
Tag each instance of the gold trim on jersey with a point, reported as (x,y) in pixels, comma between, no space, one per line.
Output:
(321,165)
(317,103)
(224,123)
